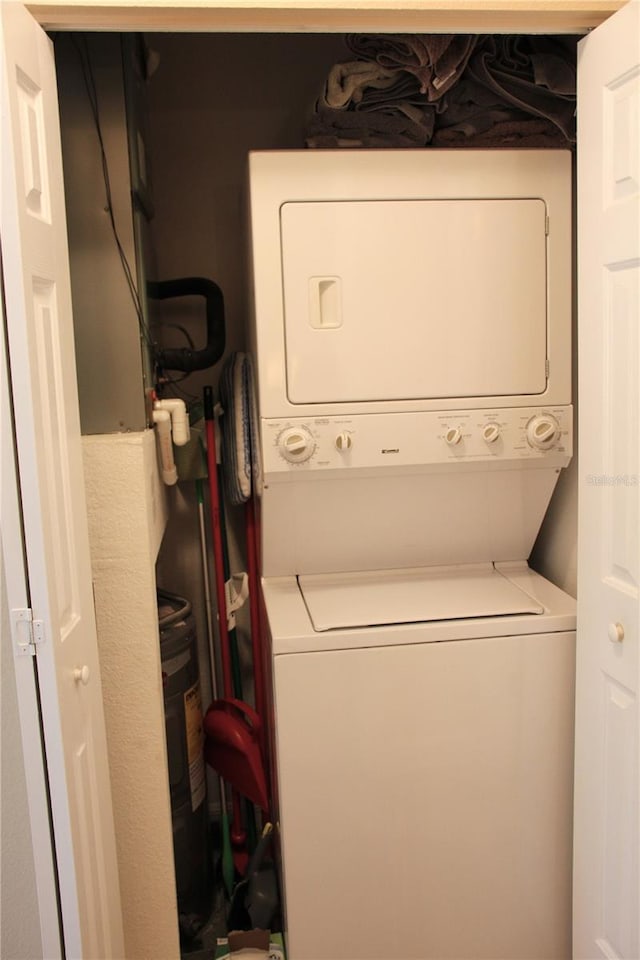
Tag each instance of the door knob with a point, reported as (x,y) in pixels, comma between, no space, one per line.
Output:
(616,632)
(81,675)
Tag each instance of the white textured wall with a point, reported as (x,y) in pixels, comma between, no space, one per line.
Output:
(127,515)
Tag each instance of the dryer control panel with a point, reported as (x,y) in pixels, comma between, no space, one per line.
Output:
(432,440)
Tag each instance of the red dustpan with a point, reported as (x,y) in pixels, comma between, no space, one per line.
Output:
(232,747)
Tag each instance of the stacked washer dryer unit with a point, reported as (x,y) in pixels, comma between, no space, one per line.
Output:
(412,342)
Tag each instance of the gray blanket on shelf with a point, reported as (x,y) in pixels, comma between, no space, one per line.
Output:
(408,91)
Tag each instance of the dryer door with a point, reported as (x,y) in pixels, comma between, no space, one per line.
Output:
(414,299)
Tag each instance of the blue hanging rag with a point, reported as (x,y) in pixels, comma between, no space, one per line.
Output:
(240,451)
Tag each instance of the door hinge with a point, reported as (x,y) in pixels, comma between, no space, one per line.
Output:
(27,632)
(546,225)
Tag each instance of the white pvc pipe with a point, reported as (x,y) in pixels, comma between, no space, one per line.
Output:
(162,420)
(179,419)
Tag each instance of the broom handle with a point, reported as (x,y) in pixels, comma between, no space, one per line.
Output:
(214,498)
(238,835)
(227,853)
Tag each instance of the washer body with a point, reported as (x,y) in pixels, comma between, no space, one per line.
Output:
(424,778)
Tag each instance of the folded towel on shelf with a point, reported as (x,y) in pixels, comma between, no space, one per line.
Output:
(437,60)
(554,63)
(526,133)
(410,91)
(371,125)
(470,108)
(508,66)
(404,89)
(347,82)
(386,109)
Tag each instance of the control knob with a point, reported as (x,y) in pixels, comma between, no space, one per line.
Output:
(543,431)
(296,444)
(344,442)
(453,436)
(491,432)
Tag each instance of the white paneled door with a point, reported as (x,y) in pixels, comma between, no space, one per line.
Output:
(41,352)
(607,812)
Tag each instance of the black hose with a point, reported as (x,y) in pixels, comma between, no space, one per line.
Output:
(184,358)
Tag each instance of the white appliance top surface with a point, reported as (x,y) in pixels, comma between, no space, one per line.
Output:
(338,601)
(293,632)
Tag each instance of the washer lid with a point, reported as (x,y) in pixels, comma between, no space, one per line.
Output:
(338,601)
